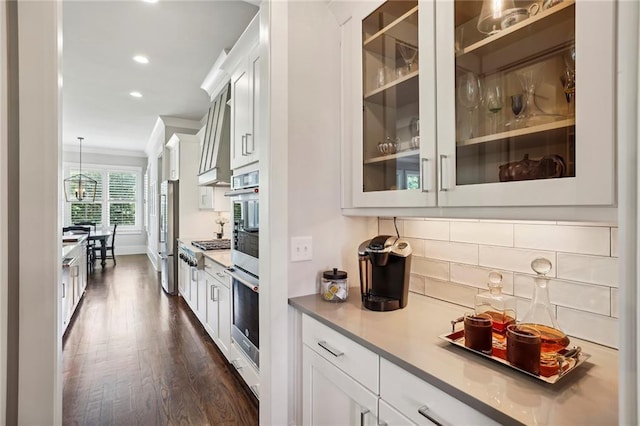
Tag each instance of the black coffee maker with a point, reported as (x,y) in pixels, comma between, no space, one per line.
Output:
(385,265)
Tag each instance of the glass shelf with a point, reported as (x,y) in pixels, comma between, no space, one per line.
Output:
(396,156)
(405,88)
(404,28)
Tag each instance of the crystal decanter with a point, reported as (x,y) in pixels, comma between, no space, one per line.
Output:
(500,306)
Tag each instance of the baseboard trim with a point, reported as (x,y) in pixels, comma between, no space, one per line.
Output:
(154,258)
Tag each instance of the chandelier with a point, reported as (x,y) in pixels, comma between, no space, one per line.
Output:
(80,187)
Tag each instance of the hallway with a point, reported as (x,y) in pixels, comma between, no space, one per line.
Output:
(133,355)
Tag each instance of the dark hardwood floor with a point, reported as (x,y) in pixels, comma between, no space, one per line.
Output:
(134,355)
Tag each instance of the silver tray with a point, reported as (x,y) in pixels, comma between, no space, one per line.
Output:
(457,338)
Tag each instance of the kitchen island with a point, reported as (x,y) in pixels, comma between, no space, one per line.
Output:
(408,338)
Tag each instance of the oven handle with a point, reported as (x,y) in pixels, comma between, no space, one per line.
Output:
(241,192)
(253,286)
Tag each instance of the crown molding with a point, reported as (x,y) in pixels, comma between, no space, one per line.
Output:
(103,151)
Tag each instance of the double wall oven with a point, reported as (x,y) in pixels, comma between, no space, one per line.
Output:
(244,256)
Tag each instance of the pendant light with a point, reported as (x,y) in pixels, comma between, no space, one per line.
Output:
(80,187)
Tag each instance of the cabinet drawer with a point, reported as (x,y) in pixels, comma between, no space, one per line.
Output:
(389,416)
(216,271)
(246,370)
(352,358)
(422,402)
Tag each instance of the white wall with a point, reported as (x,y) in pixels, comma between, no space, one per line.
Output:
(303,197)
(39,391)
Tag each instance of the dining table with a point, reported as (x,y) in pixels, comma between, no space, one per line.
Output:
(102,237)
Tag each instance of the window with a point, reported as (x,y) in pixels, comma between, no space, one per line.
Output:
(118,198)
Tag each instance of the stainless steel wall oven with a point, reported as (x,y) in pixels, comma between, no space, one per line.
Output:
(246,222)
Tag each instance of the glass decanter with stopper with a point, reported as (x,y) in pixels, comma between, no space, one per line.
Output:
(540,316)
(502,309)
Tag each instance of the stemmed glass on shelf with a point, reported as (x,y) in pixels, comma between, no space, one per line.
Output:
(470,97)
(495,102)
(408,54)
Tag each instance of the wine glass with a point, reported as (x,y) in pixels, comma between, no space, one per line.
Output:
(494,104)
(517,106)
(568,77)
(469,96)
(408,54)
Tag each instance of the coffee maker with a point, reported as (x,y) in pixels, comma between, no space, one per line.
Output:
(385,265)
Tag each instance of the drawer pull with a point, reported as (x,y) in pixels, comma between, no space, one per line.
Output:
(220,274)
(362,414)
(425,412)
(236,364)
(333,351)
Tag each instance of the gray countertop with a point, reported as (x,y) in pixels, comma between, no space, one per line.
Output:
(409,338)
(69,246)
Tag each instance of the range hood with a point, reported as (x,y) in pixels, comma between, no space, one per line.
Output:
(215,155)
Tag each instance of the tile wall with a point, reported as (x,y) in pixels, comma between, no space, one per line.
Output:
(452,259)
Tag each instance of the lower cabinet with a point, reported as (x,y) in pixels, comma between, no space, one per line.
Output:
(331,397)
(218,306)
(245,368)
(73,284)
(344,383)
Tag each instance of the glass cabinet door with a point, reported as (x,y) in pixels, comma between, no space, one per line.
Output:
(389,95)
(518,118)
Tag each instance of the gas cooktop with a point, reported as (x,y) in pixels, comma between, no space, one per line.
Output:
(220,244)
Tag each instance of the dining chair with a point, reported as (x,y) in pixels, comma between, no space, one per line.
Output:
(77,229)
(110,246)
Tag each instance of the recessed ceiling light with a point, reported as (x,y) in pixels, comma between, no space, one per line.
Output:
(141,59)
(136,94)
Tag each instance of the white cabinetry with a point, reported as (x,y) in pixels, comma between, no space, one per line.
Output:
(331,397)
(212,198)
(245,368)
(184,286)
(558,150)
(245,109)
(340,378)
(174,160)
(74,282)
(423,403)
(345,383)
(218,317)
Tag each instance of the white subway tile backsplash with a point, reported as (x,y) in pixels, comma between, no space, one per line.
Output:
(430,229)
(478,277)
(572,239)
(417,246)
(385,227)
(511,259)
(452,259)
(587,326)
(430,268)
(490,233)
(591,298)
(614,242)
(454,293)
(416,284)
(452,252)
(589,269)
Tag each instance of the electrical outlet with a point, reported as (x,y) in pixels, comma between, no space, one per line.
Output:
(301,249)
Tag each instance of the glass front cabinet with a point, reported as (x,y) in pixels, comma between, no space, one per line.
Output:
(482,103)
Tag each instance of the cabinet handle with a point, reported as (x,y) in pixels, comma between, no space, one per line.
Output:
(212,296)
(423,173)
(442,158)
(236,365)
(243,144)
(425,412)
(362,414)
(333,351)
(192,276)
(254,389)
(253,144)
(63,292)
(214,293)
(220,274)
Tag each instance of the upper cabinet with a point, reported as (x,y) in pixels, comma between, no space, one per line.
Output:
(245,97)
(521,112)
(392,129)
(525,103)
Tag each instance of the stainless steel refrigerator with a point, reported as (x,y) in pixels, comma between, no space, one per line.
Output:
(168,244)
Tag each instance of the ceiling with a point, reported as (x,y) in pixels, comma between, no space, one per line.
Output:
(182,40)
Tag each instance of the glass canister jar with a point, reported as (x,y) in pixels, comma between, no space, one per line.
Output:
(334,286)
